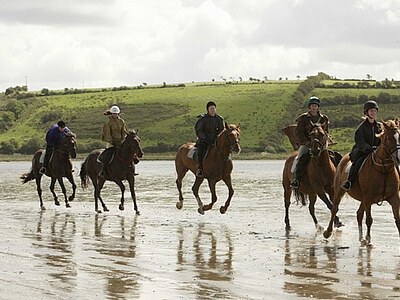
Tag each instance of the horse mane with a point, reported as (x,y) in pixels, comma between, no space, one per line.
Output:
(70,134)
(131,131)
(390,124)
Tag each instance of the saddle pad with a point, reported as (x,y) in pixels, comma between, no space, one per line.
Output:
(41,159)
(296,159)
(347,170)
(192,152)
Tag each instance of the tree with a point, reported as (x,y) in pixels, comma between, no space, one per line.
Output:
(16,107)
(265,78)
(31,146)
(44,92)
(298,77)
(369,76)
(8,147)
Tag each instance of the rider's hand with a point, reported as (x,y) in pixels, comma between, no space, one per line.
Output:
(373,148)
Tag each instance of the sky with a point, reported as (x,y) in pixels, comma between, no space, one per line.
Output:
(105,43)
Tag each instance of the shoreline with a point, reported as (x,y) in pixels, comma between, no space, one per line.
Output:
(159,156)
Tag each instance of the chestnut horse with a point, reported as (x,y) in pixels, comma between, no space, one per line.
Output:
(377,181)
(60,166)
(318,179)
(121,168)
(217,165)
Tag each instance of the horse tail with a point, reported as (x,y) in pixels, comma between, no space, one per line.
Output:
(26,177)
(84,174)
(300,197)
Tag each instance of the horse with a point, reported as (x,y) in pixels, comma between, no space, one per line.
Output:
(377,181)
(217,165)
(121,168)
(60,166)
(318,179)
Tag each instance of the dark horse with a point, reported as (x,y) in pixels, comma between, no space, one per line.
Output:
(121,168)
(217,165)
(60,166)
(377,181)
(318,179)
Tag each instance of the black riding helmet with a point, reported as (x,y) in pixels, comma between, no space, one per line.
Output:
(313,100)
(210,104)
(370,104)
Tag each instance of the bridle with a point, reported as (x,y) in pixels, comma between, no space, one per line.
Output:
(323,144)
(388,151)
(129,161)
(231,145)
(68,150)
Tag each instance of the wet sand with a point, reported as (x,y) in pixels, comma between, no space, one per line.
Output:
(165,253)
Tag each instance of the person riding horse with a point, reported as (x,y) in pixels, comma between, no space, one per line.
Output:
(114,132)
(207,127)
(365,141)
(53,138)
(304,124)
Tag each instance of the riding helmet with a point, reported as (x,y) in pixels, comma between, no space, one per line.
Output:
(210,104)
(114,110)
(313,100)
(370,104)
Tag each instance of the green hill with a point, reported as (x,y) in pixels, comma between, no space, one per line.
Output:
(165,115)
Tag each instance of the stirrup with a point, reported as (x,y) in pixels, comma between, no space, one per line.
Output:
(102,173)
(295,184)
(346,185)
(200,172)
(42,170)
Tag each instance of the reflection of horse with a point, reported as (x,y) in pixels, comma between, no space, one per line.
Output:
(120,168)
(378,180)
(60,166)
(217,165)
(319,176)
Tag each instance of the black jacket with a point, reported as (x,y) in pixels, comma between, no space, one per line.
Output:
(208,127)
(365,138)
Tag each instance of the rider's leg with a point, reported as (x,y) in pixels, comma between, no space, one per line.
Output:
(201,148)
(353,172)
(105,157)
(300,167)
(49,151)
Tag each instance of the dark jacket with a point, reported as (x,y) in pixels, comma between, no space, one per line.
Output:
(54,135)
(365,138)
(208,127)
(304,125)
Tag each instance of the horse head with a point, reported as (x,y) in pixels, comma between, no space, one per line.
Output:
(68,144)
(390,139)
(319,139)
(133,141)
(232,137)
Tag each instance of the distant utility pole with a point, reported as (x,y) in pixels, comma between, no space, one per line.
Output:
(26,82)
(83,85)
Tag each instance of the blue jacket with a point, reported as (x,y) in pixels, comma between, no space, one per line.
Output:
(54,135)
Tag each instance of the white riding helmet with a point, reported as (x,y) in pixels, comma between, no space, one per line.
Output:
(114,110)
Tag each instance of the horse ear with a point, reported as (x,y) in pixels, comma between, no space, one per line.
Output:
(397,121)
(238,126)
(137,131)
(385,125)
(325,126)
(226,125)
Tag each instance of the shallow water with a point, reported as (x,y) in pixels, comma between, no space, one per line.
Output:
(167,253)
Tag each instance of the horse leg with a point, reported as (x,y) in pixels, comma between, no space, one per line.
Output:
(368,221)
(395,203)
(228,182)
(131,182)
(122,187)
(195,189)
(64,191)
(311,208)
(39,191)
(287,194)
(52,184)
(360,216)
(71,180)
(181,174)
(336,201)
(99,187)
(337,223)
(211,184)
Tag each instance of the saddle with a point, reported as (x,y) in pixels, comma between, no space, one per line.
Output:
(41,158)
(347,170)
(194,153)
(107,155)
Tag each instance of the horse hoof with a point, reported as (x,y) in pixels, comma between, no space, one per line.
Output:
(339,224)
(71,198)
(288,227)
(67,205)
(179,205)
(105,208)
(57,203)
(43,207)
(201,211)
(98,211)
(121,207)
(137,212)
(222,210)
(327,234)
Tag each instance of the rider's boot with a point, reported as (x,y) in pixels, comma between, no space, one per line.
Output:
(347,184)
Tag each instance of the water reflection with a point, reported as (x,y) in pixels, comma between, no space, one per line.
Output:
(210,258)
(117,253)
(55,249)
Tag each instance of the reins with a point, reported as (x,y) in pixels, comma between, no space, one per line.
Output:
(125,161)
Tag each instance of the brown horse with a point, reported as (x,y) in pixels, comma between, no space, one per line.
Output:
(217,165)
(60,166)
(377,181)
(121,168)
(318,179)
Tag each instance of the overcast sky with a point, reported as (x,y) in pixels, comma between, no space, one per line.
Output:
(105,43)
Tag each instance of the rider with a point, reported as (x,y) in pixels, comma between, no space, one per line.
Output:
(207,127)
(304,125)
(53,138)
(114,132)
(366,141)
